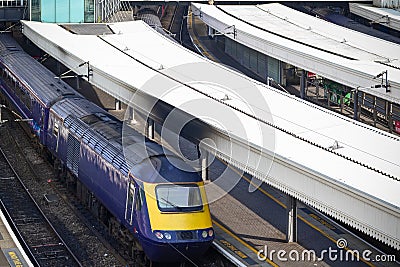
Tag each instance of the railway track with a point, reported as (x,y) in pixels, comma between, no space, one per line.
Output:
(49,225)
(175,22)
(174,18)
(45,244)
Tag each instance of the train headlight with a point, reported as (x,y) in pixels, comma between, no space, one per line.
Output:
(158,235)
(210,233)
(167,236)
(204,234)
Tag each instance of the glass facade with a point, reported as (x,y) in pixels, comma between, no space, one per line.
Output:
(61,11)
(35,10)
(72,11)
(89,11)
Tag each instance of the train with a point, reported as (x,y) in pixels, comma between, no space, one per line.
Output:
(148,14)
(163,207)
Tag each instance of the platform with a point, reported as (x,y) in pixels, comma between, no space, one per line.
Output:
(385,16)
(331,51)
(248,221)
(333,16)
(213,50)
(12,252)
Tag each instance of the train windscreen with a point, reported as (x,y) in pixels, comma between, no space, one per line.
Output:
(178,198)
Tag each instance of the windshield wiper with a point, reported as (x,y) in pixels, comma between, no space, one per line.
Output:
(171,204)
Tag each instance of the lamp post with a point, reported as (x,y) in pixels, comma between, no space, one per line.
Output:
(384,81)
(384,84)
(89,70)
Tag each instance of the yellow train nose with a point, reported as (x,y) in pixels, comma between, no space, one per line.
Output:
(174,213)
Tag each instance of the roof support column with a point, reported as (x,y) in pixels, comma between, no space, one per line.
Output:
(150,128)
(355,100)
(341,99)
(131,115)
(202,155)
(389,115)
(58,67)
(117,104)
(204,165)
(291,210)
(210,32)
(303,84)
(77,82)
(375,115)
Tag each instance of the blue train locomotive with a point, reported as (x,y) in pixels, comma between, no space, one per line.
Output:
(163,207)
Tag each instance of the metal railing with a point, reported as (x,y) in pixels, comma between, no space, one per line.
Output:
(13,3)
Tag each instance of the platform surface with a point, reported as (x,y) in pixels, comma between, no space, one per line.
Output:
(12,252)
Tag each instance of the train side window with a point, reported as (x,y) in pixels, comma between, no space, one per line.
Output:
(42,112)
(130,205)
(139,199)
(131,196)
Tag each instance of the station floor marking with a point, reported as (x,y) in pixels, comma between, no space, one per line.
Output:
(299,216)
(241,241)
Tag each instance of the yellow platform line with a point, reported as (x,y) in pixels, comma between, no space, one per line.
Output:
(198,43)
(244,243)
